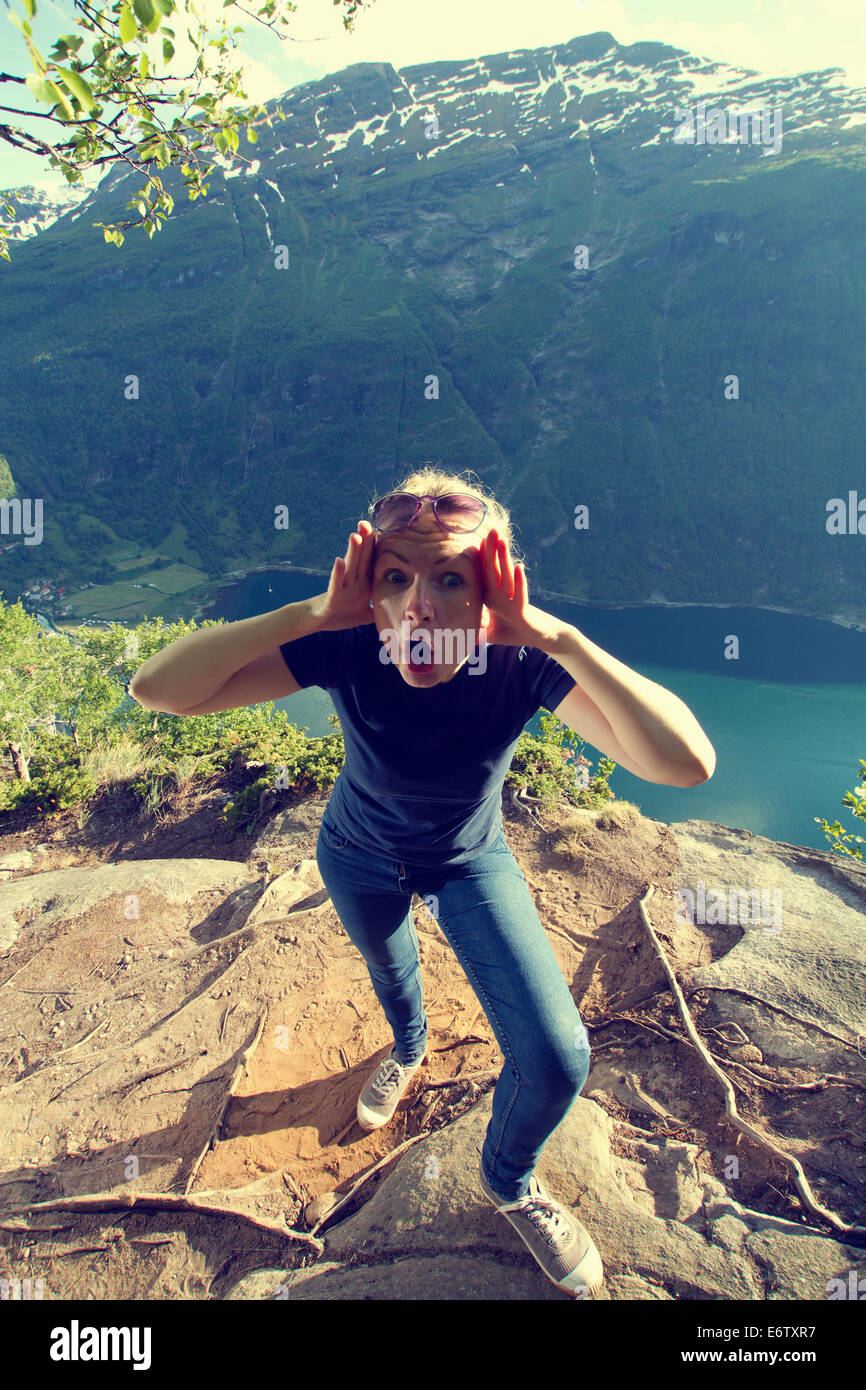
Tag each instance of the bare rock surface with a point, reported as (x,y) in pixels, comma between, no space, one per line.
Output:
(197,1030)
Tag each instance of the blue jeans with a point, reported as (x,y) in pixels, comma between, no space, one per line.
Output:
(486,913)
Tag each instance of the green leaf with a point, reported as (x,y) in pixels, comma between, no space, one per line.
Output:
(252,135)
(44,90)
(78,87)
(41,89)
(63,102)
(36,58)
(167,51)
(143,65)
(128,26)
(165,7)
(30,7)
(144,10)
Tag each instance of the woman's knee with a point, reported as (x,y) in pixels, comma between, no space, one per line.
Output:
(389,971)
(562,1064)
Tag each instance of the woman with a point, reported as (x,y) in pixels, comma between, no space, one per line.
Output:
(435,662)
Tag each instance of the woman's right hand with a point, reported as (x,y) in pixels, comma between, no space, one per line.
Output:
(347,601)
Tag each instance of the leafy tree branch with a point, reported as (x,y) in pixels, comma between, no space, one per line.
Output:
(76,86)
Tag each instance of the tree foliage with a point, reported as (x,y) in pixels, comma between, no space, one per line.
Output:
(71,732)
(104,89)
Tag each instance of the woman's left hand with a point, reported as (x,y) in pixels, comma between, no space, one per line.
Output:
(513,620)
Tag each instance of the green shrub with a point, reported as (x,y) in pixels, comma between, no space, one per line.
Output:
(243,812)
(545,767)
(49,792)
(309,764)
(857,801)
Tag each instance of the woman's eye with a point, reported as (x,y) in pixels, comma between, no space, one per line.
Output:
(451,574)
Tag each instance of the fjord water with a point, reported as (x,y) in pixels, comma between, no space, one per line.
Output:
(787,719)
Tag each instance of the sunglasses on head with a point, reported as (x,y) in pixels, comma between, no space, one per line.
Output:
(457,511)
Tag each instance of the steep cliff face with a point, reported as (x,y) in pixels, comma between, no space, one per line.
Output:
(544,265)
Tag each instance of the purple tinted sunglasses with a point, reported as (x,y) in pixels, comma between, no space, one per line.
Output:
(458,511)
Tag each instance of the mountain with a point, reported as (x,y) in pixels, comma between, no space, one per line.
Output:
(36,210)
(431,218)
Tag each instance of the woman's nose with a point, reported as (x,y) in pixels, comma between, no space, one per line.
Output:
(419,605)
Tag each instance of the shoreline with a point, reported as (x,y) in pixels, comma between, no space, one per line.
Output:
(236,576)
(852,624)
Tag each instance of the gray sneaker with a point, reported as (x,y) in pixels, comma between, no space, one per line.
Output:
(384,1090)
(560,1244)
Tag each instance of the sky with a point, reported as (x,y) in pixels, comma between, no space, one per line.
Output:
(772,36)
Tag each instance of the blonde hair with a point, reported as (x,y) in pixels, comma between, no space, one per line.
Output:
(435,482)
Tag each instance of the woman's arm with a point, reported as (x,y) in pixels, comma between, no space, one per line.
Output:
(196,670)
(652,724)
(235,664)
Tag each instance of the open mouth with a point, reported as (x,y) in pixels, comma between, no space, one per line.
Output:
(420,656)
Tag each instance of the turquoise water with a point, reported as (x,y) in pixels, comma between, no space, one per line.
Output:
(787,720)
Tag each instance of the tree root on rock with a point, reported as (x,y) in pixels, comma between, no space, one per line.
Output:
(731,1115)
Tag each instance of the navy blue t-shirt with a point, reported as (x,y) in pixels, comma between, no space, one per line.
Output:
(424,769)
